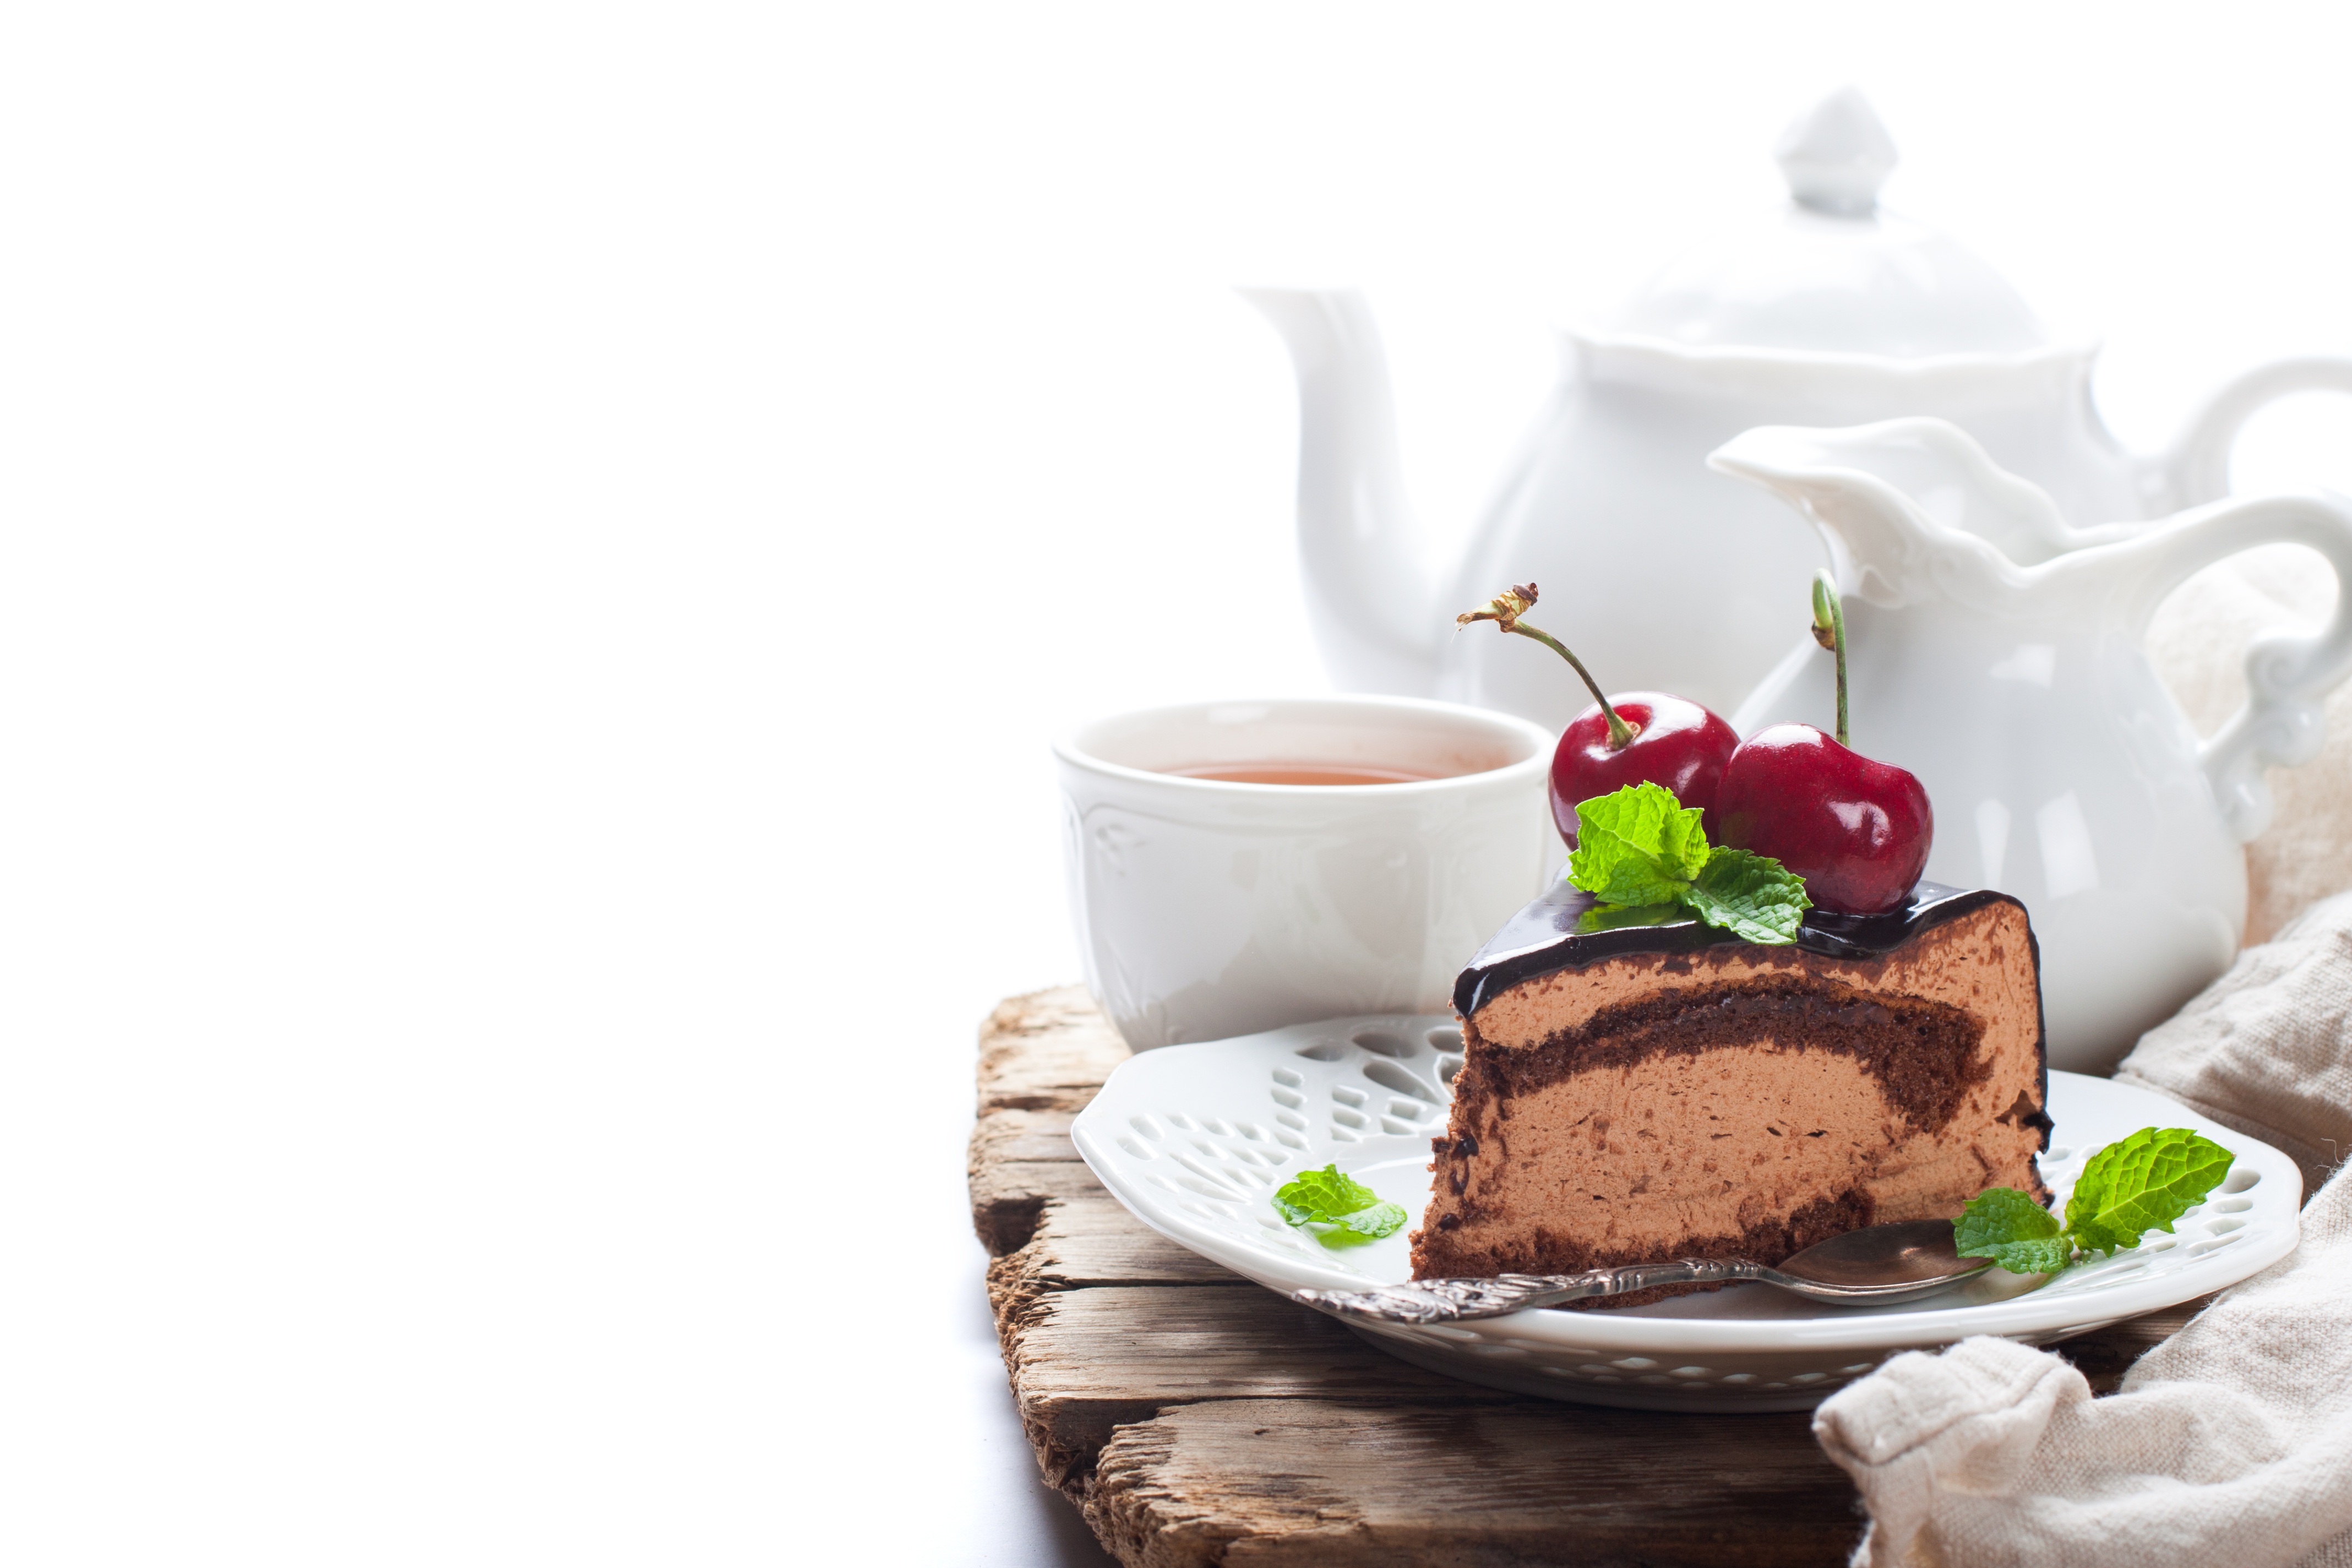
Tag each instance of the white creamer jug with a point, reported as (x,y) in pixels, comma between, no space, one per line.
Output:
(1997,653)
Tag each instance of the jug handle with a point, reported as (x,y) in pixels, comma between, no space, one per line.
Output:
(2195,469)
(2287,673)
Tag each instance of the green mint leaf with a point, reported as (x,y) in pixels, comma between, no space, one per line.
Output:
(1380,1220)
(2140,1183)
(2132,1186)
(1616,917)
(1614,872)
(1336,1209)
(2004,1225)
(1682,848)
(2044,1255)
(1640,846)
(1325,1195)
(1752,896)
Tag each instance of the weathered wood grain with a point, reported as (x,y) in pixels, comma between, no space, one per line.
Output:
(1090,1240)
(1200,1420)
(1047,1051)
(1069,1232)
(1034,1205)
(1083,1362)
(1284,1482)
(1042,1059)
(1005,1136)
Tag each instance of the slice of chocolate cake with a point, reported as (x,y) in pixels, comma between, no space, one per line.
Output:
(1634,1092)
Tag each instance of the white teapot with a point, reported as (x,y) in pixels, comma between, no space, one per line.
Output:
(1831,312)
(1996,653)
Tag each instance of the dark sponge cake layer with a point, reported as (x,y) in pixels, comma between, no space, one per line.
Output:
(1925,1055)
(1662,1092)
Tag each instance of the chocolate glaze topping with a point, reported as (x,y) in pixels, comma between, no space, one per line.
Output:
(1548,935)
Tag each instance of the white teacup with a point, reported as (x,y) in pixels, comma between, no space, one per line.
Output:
(1207,908)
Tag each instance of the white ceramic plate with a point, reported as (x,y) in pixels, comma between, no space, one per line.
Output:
(1195,1139)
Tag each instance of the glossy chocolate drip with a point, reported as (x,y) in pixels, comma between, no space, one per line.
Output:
(1548,935)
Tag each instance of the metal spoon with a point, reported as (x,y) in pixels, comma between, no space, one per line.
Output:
(1875,1266)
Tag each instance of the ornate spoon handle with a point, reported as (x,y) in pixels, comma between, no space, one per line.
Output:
(1449,1300)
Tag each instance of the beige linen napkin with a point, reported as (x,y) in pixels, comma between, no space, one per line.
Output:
(2231,1442)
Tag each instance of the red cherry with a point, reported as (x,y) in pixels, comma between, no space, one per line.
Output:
(1676,743)
(1857,831)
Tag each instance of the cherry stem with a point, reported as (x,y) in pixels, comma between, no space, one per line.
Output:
(1829,630)
(1620,733)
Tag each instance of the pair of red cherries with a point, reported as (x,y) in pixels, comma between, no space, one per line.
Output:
(1857,831)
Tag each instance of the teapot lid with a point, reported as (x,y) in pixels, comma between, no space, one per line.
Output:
(1833,271)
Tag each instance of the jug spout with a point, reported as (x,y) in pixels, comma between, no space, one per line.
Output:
(1911,509)
(1370,591)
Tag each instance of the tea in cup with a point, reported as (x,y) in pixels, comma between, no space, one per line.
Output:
(1236,867)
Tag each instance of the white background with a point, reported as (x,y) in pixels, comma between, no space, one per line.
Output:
(540,546)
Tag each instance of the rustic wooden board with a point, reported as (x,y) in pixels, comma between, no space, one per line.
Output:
(1197,1419)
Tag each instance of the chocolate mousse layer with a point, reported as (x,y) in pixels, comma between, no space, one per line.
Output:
(1634,1092)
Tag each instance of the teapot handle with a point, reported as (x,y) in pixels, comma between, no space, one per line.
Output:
(2287,673)
(2196,469)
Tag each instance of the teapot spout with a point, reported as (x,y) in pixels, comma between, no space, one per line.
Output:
(1370,594)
